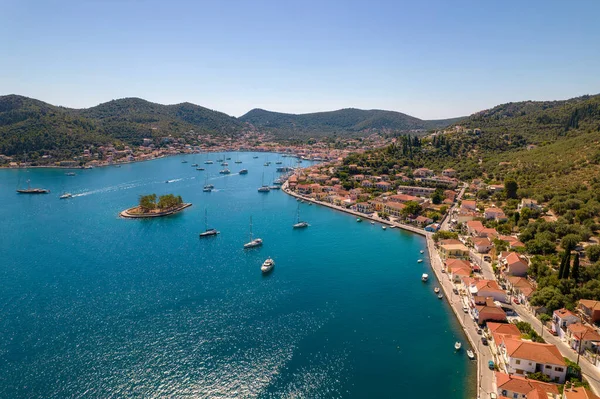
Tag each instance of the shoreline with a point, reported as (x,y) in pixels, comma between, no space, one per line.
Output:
(434,258)
(127,215)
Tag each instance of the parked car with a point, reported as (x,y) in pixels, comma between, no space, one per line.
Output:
(487,258)
(491,365)
(455,291)
(516,301)
(484,340)
(479,331)
(465,309)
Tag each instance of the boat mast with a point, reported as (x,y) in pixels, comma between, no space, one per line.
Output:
(205,219)
(250,229)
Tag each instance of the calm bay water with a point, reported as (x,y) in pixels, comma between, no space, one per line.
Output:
(96,306)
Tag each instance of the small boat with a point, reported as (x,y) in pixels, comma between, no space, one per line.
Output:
(470,354)
(228,158)
(457,345)
(238,161)
(275,187)
(70,174)
(440,296)
(424,277)
(266,164)
(372,222)
(207,232)
(208,162)
(421,251)
(199,168)
(66,195)
(358,220)
(194,165)
(299,224)
(436,290)
(184,161)
(383,228)
(278,163)
(166,181)
(244,172)
(420,260)
(225,171)
(255,157)
(267,265)
(30,190)
(254,242)
(207,187)
(224,164)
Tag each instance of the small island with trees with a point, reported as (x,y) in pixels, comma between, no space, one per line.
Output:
(151,206)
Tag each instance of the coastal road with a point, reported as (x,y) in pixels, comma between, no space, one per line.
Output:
(485,376)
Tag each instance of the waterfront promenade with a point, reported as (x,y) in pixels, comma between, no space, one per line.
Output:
(407,227)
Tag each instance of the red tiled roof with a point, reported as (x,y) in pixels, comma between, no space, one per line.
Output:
(537,352)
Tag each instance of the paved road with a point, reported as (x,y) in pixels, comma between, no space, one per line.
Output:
(485,377)
(446,223)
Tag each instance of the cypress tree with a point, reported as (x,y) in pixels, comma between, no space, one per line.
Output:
(561,269)
(567,265)
(575,271)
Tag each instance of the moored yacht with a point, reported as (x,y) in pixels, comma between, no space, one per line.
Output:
(254,242)
(209,162)
(244,172)
(225,171)
(263,188)
(424,277)
(267,265)
(299,224)
(207,232)
(30,190)
(194,165)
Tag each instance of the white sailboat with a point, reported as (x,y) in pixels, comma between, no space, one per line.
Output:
(254,242)
(263,188)
(299,224)
(207,232)
(207,187)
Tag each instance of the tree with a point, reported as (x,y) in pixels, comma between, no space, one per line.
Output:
(565,274)
(438,196)
(516,217)
(539,376)
(411,208)
(444,235)
(575,271)
(570,241)
(148,202)
(510,188)
(593,253)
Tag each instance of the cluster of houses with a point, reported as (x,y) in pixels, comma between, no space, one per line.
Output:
(383,193)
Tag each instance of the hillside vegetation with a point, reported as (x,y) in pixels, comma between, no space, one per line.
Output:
(29,127)
(347,122)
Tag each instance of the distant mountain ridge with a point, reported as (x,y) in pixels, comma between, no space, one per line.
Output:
(347,121)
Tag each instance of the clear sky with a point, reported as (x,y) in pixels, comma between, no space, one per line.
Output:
(431,59)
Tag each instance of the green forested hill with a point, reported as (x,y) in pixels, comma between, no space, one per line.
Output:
(29,127)
(548,147)
(349,121)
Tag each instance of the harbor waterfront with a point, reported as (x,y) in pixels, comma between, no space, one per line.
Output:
(93,305)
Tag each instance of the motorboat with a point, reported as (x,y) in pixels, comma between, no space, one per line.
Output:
(255,157)
(470,354)
(440,296)
(194,165)
(66,195)
(244,172)
(254,242)
(267,265)
(208,162)
(199,168)
(457,345)
(421,251)
(424,277)
(420,261)
(70,174)
(224,164)
(358,220)
(372,222)
(383,228)
(225,171)
(436,290)
(275,187)
(184,161)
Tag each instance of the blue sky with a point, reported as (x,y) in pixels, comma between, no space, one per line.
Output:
(430,59)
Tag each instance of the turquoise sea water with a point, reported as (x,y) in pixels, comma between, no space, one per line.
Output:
(94,306)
